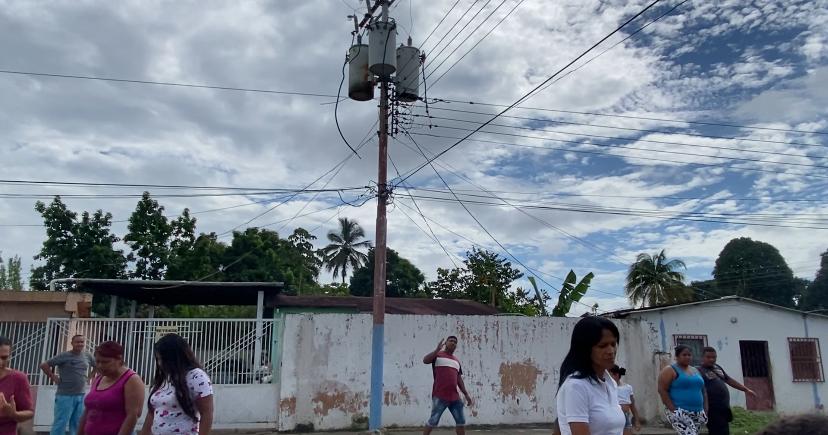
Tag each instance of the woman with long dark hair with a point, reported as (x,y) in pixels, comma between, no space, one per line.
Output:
(181,397)
(587,394)
(682,391)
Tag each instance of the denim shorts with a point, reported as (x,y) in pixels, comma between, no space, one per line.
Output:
(438,406)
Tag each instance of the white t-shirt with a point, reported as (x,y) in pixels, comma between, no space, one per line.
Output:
(595,403)
(168,417)
(625,393)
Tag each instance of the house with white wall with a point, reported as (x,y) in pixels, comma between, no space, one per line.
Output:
(775,351)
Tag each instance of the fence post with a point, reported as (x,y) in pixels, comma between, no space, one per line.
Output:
(257,351)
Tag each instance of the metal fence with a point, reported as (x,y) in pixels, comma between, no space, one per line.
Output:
(27,339)
(226,347)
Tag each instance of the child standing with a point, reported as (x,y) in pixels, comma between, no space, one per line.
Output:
(627,400)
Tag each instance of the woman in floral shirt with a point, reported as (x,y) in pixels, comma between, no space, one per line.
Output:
(181,398)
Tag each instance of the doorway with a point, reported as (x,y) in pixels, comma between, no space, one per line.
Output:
(757,374)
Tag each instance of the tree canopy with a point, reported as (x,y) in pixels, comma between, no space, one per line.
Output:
(655,280)
(404,280)
(756,270)
(816,294)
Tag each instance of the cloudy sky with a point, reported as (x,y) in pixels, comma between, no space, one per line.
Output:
(641,167)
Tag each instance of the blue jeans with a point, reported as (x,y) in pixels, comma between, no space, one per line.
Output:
(68,410)
(438,406)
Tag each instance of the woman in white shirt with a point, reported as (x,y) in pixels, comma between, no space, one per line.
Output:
(587,395)
(181,397)
(626,398)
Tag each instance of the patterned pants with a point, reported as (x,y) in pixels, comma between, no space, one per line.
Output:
(687,422)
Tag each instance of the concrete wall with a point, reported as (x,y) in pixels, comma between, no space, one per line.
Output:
(752,322)
(34,306)
(510,367)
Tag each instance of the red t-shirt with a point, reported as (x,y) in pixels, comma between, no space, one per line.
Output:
(447,372)
(15,384)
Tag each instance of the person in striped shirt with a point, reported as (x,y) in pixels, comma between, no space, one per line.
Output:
(448,379)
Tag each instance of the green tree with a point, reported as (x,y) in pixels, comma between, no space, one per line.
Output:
(404,280)
(345,249)
(11,277)
(73,248)
(485,277)
(311,261)
(149,238)
(571,292)
(816,295)
(653,280)
(200,259)
(757,270)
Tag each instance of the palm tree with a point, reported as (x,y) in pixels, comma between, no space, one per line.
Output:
(344,251)
(652,280)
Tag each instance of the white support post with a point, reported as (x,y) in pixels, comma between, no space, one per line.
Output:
(257,352)
(133,308)
(151,313)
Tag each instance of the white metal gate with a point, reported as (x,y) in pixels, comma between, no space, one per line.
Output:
(27,339)
(225,347)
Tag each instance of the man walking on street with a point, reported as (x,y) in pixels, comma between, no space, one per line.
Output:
(448,377)
(718,396)
(73,372)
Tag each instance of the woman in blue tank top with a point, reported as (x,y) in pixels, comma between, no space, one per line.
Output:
(682,391)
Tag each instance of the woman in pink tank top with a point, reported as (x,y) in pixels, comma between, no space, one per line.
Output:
(116,399)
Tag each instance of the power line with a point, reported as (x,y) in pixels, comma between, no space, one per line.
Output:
(743,159)
(645,118)
(642,130)
(153,186)
(453,26)
(516,103)
(476,44)
(652,197)
(646,159)
(159,83)
(654,214)
(480,224)
(439,23)
(613,46)
(442,50)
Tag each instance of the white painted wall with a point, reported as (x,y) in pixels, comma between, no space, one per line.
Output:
(753,322)
(510,363)
(235,407)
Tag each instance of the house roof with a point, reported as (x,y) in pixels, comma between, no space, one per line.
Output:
(620,314)
(181,292)
(458,307)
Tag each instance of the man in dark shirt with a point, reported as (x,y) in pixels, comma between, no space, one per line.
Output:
(718,396)
(448,377)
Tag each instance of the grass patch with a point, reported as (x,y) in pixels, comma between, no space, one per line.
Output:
(750,422)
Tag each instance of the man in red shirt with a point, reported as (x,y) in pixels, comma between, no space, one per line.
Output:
(15,398)
(448,377)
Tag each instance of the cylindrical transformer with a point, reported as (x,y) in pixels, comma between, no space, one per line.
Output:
(360,79)
(382,38)
(408,76)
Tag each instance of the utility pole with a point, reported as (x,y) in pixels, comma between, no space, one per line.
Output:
(381,62)
(378,335)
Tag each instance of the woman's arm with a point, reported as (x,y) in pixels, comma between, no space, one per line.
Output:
(665,378)
(205,410)
(133,404)
(146,429)
(635,413)
(579,428)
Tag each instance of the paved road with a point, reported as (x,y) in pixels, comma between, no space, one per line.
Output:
(499,431)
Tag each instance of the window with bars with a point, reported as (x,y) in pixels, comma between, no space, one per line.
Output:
(806,361)
(695,342)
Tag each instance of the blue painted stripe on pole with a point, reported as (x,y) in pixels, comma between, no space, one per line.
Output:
(377,342)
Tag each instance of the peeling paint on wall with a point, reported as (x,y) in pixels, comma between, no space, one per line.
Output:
(335,395)
(288,405)
(399,397)
(518,378)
